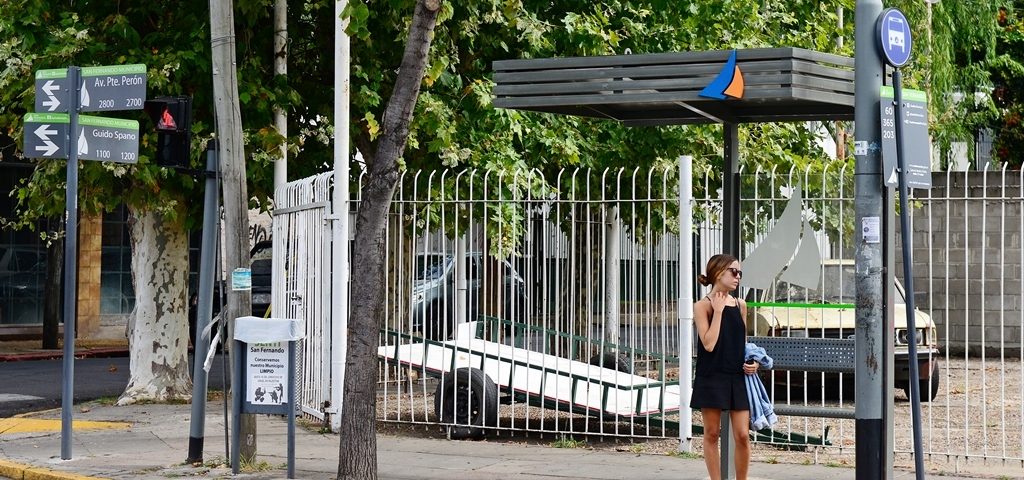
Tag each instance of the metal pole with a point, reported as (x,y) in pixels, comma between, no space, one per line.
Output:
(686,276)
(730,245)
(871,461)
(291,409)
(70,266)
(204,308)
(240,350)
(340,206)
(908,276)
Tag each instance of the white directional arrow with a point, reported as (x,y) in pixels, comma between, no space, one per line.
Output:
(49,147)
(49,88)
(892,176)
(83,144)
(85,96)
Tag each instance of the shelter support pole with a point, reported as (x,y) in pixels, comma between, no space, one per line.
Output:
(730,245)
(686,277)
(873,437)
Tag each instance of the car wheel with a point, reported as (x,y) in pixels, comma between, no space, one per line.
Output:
(929,388)
(466,399)
(610,360)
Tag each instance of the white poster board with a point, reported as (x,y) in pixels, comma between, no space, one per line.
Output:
(266,371)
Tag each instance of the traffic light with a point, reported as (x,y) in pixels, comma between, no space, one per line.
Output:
(172,117)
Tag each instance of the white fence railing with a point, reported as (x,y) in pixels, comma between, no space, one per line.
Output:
(559,279)
(301,265)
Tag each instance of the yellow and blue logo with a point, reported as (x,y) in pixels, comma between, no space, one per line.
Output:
(728,83)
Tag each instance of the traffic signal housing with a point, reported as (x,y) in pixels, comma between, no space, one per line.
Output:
(172,117)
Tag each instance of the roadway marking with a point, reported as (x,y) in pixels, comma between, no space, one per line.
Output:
(37,425)
(14,397)
(21,471)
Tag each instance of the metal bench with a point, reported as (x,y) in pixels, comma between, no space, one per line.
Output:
(827,355)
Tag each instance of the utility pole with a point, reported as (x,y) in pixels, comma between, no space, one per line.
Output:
(872,440)
(231,154)
(281,68)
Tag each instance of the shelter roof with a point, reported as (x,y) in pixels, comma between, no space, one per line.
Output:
(781,85)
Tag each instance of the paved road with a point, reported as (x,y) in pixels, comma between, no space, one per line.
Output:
(36,385)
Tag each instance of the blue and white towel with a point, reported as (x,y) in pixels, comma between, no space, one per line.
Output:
(762,414)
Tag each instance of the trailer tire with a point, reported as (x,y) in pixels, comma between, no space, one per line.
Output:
(612,361)
(467,400)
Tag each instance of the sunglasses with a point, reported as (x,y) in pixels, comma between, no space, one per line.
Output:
(735,272)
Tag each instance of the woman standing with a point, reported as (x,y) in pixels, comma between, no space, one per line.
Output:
(719,385)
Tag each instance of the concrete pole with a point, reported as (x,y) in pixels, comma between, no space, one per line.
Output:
(340,206)
(871,440)
(236,197)
(281,68)
(204,309)
(685,308)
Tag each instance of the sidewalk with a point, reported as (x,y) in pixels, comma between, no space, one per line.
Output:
(152,443)
(26,350)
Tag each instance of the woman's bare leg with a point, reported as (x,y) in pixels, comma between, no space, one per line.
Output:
(740,426)
(712,430)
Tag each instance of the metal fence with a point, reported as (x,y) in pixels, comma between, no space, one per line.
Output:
(512,307)
(301,265)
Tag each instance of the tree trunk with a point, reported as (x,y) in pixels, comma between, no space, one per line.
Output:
(158,326)
(357,458)
(53,295)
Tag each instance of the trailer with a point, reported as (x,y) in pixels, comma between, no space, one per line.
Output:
(474,370)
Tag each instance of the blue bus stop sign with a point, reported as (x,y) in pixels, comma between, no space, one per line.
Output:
(894,37)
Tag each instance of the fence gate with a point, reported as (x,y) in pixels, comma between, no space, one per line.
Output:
(302,261)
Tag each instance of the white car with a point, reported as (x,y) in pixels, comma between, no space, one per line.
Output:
(828,312)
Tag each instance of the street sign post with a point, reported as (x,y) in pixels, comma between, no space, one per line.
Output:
(916,146)
(102,89)
(56,134)
(894,41)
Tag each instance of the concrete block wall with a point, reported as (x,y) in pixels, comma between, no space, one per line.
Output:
(968,260)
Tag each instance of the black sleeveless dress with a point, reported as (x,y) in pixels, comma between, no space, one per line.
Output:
(720,379)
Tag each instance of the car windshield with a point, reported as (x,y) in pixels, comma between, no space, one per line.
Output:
(430,266)
(837,286)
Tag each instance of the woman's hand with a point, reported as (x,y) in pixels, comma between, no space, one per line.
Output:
(719,300)
(750,367)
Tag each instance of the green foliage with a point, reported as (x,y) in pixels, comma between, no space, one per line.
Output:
(1008,75)
(456,126)
(172,40)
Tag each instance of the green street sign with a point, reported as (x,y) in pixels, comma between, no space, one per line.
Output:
(46,135)
(103,89)
(98,138)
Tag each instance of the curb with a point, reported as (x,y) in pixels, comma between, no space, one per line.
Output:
(57,354)
(17,471)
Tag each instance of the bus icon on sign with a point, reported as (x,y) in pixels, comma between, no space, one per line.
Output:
(896,36)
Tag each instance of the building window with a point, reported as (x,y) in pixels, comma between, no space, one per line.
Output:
(117,294)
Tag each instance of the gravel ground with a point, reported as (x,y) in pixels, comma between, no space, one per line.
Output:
(975,425)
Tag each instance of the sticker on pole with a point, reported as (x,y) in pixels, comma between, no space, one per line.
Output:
(241,279)
(894,37)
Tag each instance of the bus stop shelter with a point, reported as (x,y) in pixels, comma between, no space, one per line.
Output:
(775,85)
(781,85)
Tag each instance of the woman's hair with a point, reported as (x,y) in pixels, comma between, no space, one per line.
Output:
(716,265)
